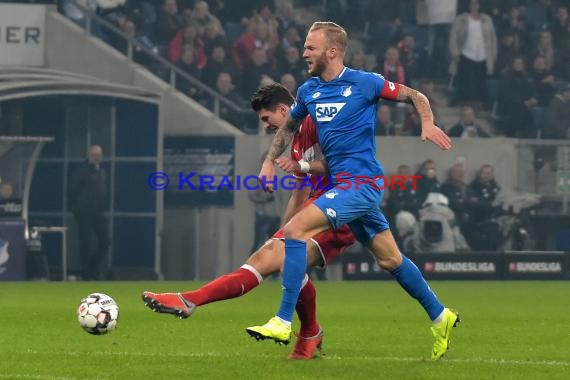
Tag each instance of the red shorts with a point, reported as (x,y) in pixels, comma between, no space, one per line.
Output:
(331,243)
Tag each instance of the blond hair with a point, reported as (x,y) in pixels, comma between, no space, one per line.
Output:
(335,34)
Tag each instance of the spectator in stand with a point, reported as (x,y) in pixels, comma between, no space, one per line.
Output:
(285,16)
(255,36)
(455,189)
(545,49)
(412,59)
(168,23)
(473,46)
(143,14)
(507,52)
(538,16)
(440,17)
(385,18)
(357,60)
(225,86)
(384,124)
(515,22)
(289,82)
(263,13)
(393,70)
(185,10)
(258,69)
(202,17)
(187,36)
(217,62)
(482,193)
(545,88)
(516,98)
(291,63)
(482,232)
(188,64)
(557,120)
(428,183)
(467,126)
(143,39)
(544,81)
(403,199)
(291,37)
(212,37)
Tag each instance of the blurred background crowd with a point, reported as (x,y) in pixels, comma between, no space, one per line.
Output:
(489,67)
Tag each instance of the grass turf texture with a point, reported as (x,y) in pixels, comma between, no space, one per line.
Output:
(509,330)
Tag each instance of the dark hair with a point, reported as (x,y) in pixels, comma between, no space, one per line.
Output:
(270,96)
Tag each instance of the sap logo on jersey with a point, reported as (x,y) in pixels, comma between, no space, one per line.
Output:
(327,111)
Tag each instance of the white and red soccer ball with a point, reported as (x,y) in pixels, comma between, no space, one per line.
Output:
(98,314)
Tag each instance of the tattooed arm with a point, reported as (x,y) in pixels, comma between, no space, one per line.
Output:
(419,100)
(280,142)
(282,139)
(401,93)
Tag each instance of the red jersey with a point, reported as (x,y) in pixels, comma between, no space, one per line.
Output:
(306,147)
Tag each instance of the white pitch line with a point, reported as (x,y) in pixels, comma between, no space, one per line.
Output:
(41,377)
(552,363)
(470,360)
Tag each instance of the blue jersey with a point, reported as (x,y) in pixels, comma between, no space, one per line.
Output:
(344,110)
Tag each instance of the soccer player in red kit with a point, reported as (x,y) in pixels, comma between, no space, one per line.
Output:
(272,103)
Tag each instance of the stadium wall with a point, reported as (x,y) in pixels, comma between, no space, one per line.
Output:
(225,234)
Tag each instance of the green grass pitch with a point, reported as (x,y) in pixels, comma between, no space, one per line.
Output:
(509,330)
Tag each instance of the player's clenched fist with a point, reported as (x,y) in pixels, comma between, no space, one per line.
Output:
(288,165)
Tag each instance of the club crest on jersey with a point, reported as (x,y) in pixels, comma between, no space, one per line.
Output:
(331,194)
(347,91)
(327,111)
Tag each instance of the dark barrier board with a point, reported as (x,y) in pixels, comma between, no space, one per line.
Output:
(468,266)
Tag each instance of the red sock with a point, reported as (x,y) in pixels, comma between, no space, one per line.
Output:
(307,310)
(228,286)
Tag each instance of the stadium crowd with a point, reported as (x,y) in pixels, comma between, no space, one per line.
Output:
(508,61)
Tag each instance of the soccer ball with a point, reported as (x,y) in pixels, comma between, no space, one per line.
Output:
(98,314)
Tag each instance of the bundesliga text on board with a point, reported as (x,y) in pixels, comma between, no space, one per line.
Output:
(345,181)
(535,267)
(459,267)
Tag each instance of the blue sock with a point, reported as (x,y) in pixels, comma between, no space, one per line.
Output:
(410,278)
(294,270)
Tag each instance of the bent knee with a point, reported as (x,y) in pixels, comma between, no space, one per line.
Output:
(269,258)
(389,263)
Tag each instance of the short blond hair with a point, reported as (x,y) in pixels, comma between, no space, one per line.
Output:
(336,35)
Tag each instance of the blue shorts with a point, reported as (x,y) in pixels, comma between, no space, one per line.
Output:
(359,208)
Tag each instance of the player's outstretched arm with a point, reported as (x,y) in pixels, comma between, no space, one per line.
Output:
(430,131)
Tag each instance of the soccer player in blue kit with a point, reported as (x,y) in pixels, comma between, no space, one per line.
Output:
(343,101)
